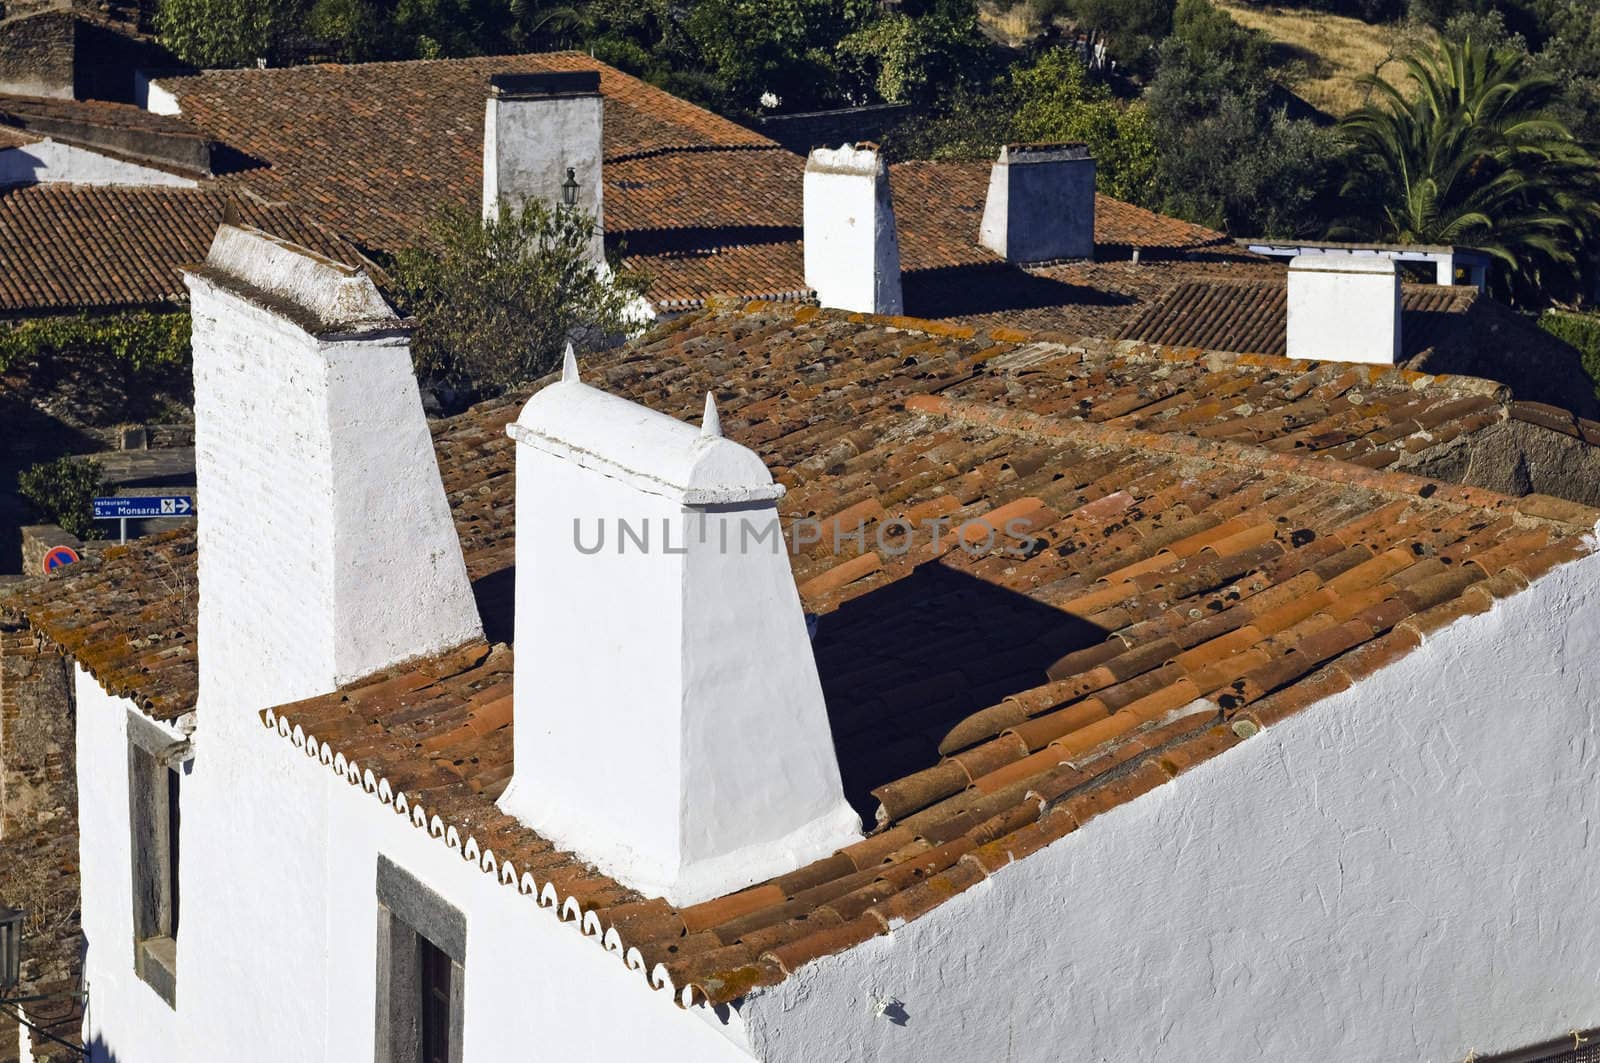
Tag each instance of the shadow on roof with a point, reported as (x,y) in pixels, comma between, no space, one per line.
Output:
(903,664)
(226,159)
(495,595)
(701,241)
(955,291)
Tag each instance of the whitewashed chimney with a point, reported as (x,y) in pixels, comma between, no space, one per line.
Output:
(327,551)
(852,252)
(1041,203)
(670,726)
(539,132)
(1344,308)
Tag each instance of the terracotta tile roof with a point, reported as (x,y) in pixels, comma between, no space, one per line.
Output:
(374,149)
(12,137)
(72,247)
(1183,567)
(1443,329)
(707,208)
(129,615)
(1091,298)
(1161,597)
(703,206)
(1251,317)
(24,110)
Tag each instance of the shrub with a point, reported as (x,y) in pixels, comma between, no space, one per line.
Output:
(495,300)
(139,342)
(900,59)
(1230,157)
(1051,99)
(63,490)
(1581,331)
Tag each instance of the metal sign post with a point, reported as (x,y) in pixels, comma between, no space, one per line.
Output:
(122,508)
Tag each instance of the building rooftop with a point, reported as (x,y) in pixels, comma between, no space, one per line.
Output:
(702,205)
(1443,330)
(1181,565)
(70,247)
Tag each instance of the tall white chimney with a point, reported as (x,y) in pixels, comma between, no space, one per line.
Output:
(1344,308)
(852,252)
(670,725)
(1041,203)
(327,550)
(540,132)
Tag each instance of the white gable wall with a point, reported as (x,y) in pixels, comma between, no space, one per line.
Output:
(125,1019)
(52,162)
(281,963)
(1406,870)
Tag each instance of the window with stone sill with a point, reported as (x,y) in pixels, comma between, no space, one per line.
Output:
(422,947)
(157,763)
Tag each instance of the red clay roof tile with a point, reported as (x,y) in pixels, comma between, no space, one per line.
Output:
(1301,574)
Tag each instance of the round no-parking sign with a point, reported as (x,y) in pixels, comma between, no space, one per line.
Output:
(59,557)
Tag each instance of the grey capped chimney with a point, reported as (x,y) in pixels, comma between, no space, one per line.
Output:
(540,132)
(1041,203)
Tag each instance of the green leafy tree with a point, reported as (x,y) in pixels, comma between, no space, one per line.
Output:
(1051,99)
(1132,28)
(64,491)
(496,300)
(1571,56)
(229,33)
(901,59)
(226,33)
(729,54)
(1230,157)
(746,56)
(1468,152)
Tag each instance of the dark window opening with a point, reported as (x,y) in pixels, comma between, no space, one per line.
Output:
(174,777)
(435,1003)
(422,946)
(156,763)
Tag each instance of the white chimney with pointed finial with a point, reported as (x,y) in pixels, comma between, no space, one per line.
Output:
(670,725)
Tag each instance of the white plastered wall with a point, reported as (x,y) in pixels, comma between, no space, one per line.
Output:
(51,162)
(1406,870)
(287,968)
(1344,308)
(324,510)
(125,1019)
(851,247)
(528,146)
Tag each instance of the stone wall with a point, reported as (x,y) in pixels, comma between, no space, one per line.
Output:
(828,129)
(39,835)
(36,54)
(36,763)
(1516,458)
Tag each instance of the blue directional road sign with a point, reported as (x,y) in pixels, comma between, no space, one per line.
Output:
(141,507)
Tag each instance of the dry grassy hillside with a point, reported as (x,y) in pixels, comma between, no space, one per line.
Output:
(1334,50)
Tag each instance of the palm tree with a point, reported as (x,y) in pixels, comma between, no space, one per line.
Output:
(1469,155)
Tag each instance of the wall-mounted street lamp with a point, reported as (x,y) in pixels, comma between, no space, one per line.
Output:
(569,189)
(10,947)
